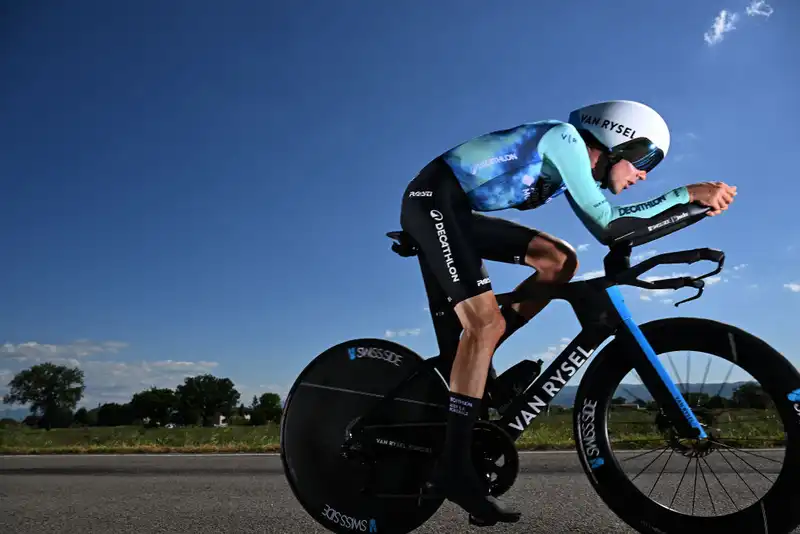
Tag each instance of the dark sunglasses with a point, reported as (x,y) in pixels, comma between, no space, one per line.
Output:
(641,152)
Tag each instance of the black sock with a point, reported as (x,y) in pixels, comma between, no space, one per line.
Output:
(462,483)
(464,411)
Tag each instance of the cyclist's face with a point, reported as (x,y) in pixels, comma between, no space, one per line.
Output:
(623,175)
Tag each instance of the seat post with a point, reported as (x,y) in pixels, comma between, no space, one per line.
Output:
(446,324)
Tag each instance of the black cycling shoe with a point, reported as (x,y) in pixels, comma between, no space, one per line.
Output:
(463,487)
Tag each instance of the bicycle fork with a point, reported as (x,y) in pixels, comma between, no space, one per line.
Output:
(655,376)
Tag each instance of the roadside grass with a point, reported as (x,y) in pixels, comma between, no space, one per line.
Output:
(137,439)
(628,429)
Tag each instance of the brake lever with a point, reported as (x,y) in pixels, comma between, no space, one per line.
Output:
(697,295)
(697,281)
(693,256)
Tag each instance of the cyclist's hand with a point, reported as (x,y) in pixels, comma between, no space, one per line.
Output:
(716,195)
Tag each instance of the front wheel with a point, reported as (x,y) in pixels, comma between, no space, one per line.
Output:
(752,422)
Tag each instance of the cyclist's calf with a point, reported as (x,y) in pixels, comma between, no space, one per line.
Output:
(483,325)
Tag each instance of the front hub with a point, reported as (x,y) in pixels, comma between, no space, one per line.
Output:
(689,447)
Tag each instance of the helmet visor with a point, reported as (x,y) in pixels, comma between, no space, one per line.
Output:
(641,152)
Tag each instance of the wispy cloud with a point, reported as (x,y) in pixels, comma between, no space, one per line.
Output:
(724,23)
(403,332)
(32,350)
(793,287)
(552,351)
(759,8)
(659,294)
(106,380)
(644,255)
(590,274)
(582,247)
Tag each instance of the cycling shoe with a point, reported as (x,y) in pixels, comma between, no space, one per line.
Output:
(464,488)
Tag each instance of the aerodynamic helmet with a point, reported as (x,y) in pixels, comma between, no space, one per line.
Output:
(627,129)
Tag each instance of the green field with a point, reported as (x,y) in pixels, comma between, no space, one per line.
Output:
(629,429)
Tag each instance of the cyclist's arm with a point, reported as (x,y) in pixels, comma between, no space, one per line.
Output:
(564,148)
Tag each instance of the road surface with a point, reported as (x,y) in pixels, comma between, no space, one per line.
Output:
(249,494)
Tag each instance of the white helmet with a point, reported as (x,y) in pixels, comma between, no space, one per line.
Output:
(628,130)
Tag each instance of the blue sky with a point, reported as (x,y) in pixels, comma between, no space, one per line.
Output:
(192,186)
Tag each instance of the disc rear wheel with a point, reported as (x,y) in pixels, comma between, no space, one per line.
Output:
(373,490)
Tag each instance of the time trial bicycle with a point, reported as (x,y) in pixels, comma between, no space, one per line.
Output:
(365,420)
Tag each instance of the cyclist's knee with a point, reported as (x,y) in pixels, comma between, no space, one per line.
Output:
(480,316)
(555,260)
(568,265)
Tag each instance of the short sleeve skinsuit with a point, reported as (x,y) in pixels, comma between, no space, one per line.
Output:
(522,168)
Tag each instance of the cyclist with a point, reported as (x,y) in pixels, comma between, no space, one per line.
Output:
(609,145)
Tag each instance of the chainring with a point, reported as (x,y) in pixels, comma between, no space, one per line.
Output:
(495,457)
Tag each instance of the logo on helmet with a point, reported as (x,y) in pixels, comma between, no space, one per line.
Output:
(611,126)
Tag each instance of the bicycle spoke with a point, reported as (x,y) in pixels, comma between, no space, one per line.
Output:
(721,485)
(694,489)
(745,450)
(629,392)
(679,484)
(689,375)
(648,465)
(661,473)
(733,451)
(705,376)
(738,475)
(708,489)
(643,454)
(722,385)
(677,375)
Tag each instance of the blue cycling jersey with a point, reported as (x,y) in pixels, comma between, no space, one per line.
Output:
(527,166)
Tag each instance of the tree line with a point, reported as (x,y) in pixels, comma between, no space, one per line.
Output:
(749,395)
(53,391)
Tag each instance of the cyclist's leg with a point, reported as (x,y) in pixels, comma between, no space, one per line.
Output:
(436,213)
(505,241)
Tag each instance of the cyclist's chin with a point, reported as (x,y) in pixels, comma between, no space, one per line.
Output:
(618,186)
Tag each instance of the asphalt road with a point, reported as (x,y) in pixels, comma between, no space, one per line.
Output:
(249,493)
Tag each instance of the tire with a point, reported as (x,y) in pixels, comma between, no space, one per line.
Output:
(338,386)
(777,512)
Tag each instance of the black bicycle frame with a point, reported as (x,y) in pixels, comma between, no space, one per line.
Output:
(601,311)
